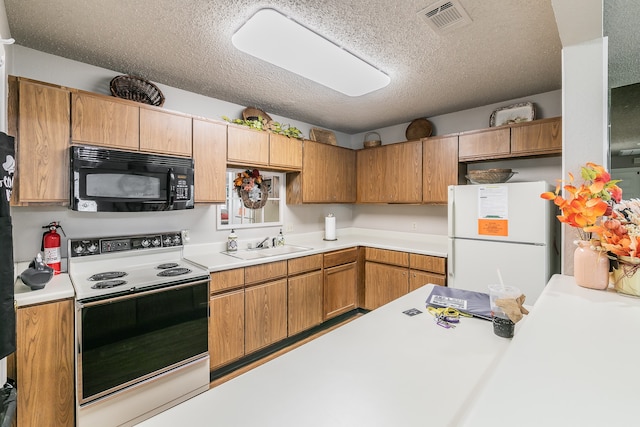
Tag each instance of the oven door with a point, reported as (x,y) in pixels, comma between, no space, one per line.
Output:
(118,181)
(128,339)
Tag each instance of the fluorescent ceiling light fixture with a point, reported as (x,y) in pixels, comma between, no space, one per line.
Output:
(273,37)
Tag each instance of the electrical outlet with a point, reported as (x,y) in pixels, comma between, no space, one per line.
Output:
(289,228)
(414,226)
(185,236)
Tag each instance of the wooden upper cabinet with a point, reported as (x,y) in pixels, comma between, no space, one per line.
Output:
(538,137)
(99,120)
(440,168)
(247,146)
(164,132)
(390,173)
(39,117)
(210,161)
(328,175)
(285,152)
(484,144)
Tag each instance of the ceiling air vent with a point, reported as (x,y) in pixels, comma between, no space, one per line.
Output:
(445,16)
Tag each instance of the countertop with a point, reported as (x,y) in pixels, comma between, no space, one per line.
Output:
(210,255)
(59,287)
(382,369)
(572,362)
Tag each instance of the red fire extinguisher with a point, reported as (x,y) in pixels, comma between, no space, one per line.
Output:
(51,246)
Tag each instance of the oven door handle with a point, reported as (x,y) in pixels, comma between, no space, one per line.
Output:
(171,188)
(109,300)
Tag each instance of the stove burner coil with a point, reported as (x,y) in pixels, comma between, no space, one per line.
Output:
(174,272)
(108,275)
(109,284)
(167,265)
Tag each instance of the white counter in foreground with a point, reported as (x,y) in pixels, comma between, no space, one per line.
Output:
(382,369)
(573,363)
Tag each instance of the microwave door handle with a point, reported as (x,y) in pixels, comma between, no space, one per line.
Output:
(171,188)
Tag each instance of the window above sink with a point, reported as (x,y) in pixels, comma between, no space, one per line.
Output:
(235,213)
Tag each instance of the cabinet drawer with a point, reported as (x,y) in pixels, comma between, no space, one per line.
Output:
(340,257)
(264,272)
(387,257)
(228,279)
(428,263)
(304,264)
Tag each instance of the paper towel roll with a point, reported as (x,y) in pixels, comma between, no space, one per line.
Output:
(330,227)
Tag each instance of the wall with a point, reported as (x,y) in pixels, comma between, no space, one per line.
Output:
(202,220)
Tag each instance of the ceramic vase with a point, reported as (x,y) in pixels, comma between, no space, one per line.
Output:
(590,266)
(626,276)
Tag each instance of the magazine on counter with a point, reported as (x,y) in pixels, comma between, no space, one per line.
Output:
(470,302)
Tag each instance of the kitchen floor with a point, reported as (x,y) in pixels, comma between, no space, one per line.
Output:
(257,363)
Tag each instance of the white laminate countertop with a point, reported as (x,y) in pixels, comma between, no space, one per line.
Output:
(382,369)
(573,363)
(59,287)
(211,256)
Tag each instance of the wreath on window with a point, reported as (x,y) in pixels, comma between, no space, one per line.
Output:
(252,191)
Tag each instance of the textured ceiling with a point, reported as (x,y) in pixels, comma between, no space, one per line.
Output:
(510,50)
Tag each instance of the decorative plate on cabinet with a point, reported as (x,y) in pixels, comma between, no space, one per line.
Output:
(515,113)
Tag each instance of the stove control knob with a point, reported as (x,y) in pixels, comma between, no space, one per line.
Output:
(156,242)
(145,243)
(167,241)
(176,240)
(92,248)
(79,248)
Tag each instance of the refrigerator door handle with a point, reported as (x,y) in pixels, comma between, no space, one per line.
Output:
(450,210)
(450,259)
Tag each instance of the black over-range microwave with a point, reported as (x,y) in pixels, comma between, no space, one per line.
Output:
(104,180)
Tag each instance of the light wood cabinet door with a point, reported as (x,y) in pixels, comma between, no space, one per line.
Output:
(328,175)
(45,364)
(418,278)
(210,161)
(340,289)
(304,301)
(390,173)
(42,143)
(285,152)
(99,120)
(484,144)
(440,168)
(265,314)
(165,133)
(247,147)
(226,328)
(384,283)
(537,137)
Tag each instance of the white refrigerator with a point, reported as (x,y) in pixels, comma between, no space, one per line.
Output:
(505,228)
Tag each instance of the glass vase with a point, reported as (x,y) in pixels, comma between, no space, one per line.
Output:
(590,266)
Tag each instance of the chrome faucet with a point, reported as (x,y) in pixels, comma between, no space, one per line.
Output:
(261,244)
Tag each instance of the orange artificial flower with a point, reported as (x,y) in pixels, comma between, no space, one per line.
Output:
(588,202)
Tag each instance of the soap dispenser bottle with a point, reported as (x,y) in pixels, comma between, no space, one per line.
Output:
(232,241)
(280,239)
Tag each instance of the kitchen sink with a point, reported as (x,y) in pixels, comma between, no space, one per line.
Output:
(249,254)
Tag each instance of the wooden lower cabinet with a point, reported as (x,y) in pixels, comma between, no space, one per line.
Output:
(340,289)
(226,328)
(304,301)
(265,309)
(384,283)
(44,364)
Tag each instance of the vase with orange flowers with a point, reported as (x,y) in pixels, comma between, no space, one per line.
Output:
(620,236)
(585,208)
